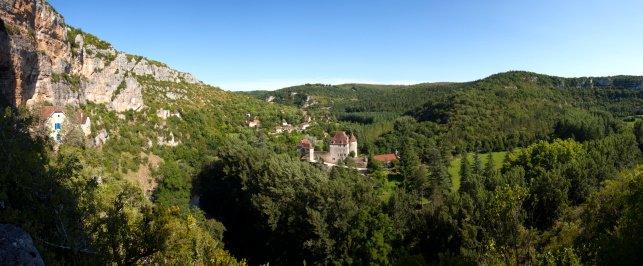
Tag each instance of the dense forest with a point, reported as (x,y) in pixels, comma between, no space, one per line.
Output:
(566,190)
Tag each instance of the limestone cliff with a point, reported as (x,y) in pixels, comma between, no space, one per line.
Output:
(44,60)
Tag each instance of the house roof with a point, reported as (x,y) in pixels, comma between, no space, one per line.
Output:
(82,118)
(339,139)
(385,157)
(175,112)
(353,138)
(278,127)
(303,124)
(304,143)
(46,111)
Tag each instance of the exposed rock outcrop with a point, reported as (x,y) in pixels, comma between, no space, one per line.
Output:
(16,247)
(40,64)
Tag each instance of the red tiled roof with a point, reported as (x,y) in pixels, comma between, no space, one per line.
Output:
(46,111)
(385,157)
(278,127)
(353,138)
(82,118)
(304,143)
(303,124)
(175,112)
(339,139)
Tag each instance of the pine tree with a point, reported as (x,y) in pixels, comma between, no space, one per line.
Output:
(438,176)
(491,176)
(409,162)
(466,176)
(420,182)
(477,165)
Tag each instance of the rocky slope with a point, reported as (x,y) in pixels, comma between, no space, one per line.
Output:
(44,60)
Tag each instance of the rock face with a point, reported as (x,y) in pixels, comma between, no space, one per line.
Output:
(630,84)
(39,63)
(16,247)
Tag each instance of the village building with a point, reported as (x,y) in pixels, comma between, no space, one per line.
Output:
(307,118)
(278,129)
(304,126)
(246,114)
(163,114)
(284,122)
(176,113)
(252,123)
(386,159)
(55,116)
(307,150)
(340,148)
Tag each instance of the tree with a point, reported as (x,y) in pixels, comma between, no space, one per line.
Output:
(510,239)
(409,161)
(420,182)
(405,125)
(439,178)
(71,133)
(477,165)
(467,178)
(491,174)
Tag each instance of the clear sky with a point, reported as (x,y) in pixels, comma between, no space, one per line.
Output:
(252,45)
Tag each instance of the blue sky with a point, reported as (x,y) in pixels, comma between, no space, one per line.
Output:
(251,45)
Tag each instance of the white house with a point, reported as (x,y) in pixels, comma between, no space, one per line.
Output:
(54,116)
(303,126)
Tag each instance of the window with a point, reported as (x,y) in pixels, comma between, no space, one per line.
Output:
(57,126)
(58,138)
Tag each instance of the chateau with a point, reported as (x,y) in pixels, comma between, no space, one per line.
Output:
(340,148)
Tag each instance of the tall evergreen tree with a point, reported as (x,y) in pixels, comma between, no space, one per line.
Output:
(409,161)
(420,182)
(439,177)
(491,175)
(466,175)
(477,165)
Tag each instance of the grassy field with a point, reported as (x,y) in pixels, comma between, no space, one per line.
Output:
(395,180)
(631,123)
(454,169)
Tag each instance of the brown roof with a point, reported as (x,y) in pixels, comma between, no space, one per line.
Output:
(278,127)
(304,143)
(385,157)
(353,138)
(82,118)
(339,139)
(46,111)
(175,112)
(303,124)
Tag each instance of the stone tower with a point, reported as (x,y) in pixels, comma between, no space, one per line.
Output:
(353,145)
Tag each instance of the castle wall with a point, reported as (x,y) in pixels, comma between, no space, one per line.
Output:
(353,148)
(338,152)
